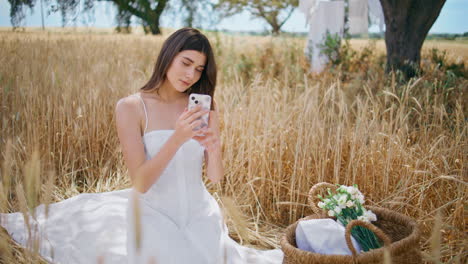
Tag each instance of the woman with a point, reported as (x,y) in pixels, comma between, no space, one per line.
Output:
(167,216)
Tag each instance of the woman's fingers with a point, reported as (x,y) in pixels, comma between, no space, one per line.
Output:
(207,131)
(195,124)
(196,115)
(190,112)
(184,114)
(203,135)
(209,141)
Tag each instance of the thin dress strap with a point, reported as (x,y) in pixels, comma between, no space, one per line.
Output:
(146,114)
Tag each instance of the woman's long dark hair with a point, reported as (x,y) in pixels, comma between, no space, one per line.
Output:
(185,39)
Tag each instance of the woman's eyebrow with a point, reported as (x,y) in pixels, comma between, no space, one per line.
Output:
(192,61)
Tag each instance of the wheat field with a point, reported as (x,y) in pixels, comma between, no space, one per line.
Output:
(283,130)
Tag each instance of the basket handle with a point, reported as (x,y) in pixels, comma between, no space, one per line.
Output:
(377,231)
(313,194)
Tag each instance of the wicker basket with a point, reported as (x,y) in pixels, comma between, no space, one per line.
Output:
(399,233)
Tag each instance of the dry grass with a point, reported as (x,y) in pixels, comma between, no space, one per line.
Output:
(405,145)
(457,50)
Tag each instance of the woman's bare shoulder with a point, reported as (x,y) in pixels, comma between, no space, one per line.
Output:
(130,101)
(128,105)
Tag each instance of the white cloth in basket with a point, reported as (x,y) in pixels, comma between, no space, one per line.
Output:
(323,236)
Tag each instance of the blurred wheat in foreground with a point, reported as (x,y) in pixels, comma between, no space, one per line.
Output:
(283,130)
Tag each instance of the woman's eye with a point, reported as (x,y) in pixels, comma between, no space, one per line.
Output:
(186,64)
(198,70)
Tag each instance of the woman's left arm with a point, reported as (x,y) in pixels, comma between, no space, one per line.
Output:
(212,143)
(214,163)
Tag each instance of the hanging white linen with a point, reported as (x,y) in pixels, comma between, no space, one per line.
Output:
(358,17)
(308,7)
(328,16)
(325,15)
(376,14)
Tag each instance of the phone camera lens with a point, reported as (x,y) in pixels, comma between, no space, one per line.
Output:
(196,101)
(193,97)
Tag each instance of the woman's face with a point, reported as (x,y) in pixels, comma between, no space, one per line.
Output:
(186,69)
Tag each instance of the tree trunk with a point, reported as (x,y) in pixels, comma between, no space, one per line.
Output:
(407,24)
(154,27)
(275,29)
(144,11)
(191,7)
(154,24)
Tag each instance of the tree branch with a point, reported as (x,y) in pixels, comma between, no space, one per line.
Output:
(287,17)
(125,5)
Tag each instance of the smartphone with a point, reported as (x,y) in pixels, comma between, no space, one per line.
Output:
(204,101)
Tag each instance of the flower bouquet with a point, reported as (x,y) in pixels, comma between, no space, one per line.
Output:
(346,204)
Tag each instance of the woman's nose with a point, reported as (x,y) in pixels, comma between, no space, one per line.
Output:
(189,73)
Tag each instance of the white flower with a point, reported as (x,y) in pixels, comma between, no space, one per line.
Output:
(342,188)
(331,213)
(321,205)
(352,190)
(370,215)
(350,204)
(363,218)
(342,199)
(327,201)
(360,198)
(337,210)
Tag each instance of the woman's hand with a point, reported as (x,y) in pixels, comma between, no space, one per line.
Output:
(187,121)
(211,138)
(212,143)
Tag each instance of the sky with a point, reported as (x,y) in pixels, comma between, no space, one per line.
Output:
(452,19)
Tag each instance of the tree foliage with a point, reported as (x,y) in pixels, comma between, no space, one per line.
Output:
(274,12)
(147,11)
(64,7)
(18,9)
(191,8)
(198,13)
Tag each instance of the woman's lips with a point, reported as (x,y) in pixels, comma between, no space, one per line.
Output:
(185,83)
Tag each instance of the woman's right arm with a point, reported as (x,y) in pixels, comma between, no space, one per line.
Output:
(144,173)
